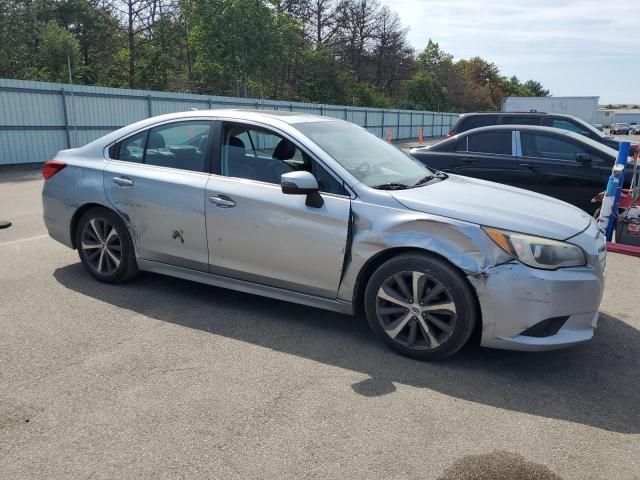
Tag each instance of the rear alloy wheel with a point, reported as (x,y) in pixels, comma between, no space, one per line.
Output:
(105,246)
(420,306)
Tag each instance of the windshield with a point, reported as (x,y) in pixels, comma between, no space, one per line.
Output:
(370,159)
(592,129)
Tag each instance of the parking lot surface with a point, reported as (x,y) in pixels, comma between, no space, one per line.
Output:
(164,378)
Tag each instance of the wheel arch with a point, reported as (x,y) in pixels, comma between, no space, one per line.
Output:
(381,257)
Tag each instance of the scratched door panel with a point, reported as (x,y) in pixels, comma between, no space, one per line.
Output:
(275,239)
(164,209)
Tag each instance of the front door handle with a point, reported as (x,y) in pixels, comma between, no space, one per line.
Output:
(123,181)
(222,201)
(528,165)
(468,160)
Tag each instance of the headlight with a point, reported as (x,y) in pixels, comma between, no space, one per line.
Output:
(537,252)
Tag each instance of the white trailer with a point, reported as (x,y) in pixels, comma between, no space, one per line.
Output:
(581,107)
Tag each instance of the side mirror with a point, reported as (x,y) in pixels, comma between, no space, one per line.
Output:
(302,183)
(583,158)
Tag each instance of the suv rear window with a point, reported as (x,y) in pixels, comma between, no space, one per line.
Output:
(475,121)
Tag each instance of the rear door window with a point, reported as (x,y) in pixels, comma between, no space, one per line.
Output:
(549,146)
(497,143)
(180,145)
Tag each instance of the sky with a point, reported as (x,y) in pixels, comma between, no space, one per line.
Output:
(573,47)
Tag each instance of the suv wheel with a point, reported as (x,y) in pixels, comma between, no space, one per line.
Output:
(420,306)
(105,246)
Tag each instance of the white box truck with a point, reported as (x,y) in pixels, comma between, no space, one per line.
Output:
(581,107)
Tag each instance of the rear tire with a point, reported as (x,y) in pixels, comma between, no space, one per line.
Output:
(421,306)
(105,246)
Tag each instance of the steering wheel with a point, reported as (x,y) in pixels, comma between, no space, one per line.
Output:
(363,169)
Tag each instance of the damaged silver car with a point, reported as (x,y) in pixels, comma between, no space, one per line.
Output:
(321,212)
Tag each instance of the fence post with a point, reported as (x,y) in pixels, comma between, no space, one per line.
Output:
(366,117)
(63,96)
(398,132)
(149,106)
(321,111)
(210,104)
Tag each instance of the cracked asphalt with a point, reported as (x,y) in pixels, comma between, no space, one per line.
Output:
(163,378)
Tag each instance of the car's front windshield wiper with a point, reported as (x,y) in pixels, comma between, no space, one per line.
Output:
(430,177)
(391,186)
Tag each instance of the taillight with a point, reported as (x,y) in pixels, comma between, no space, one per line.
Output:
(51,167)
(449,134)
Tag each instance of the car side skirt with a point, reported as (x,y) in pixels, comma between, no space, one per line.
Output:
(335,305)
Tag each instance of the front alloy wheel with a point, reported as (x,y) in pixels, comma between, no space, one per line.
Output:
(416,310)
(421,306)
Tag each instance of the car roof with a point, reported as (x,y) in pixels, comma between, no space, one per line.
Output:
(512,126)
(256,114)
(520,114)
(537,129)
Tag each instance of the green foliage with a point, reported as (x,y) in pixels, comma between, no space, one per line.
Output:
(318,77)
(423,92)
(238,42)
(463,85)
(57,47)
(351,52)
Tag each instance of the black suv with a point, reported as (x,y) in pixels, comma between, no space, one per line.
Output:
(467,121)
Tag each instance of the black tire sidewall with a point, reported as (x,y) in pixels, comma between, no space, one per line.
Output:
(128,265)
(458,287)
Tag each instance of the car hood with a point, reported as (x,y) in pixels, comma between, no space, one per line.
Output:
(496,205)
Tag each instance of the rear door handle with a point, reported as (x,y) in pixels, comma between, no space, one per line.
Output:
(528,165)
(222,201)
(123,181)
(468,160)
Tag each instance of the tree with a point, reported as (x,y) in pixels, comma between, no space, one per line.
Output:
(332,51)
(237,42)
(531,88)
(318,78)
(57,47)
(356,32)
(391,53)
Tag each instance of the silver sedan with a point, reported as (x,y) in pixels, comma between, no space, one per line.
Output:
(321,212)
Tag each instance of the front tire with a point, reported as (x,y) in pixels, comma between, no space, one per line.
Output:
(105,246)
(421,306)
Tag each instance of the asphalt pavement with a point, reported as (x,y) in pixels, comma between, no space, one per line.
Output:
(164,378)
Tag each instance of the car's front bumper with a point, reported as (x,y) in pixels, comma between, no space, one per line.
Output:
(514,298)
